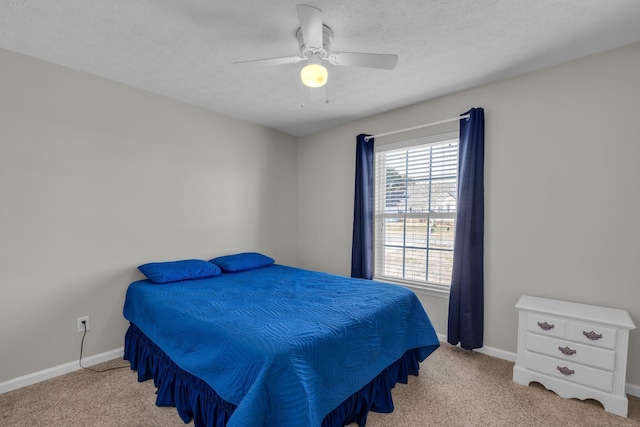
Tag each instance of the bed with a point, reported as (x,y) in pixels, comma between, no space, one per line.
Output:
(272,345)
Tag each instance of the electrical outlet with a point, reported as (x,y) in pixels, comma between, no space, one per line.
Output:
(87,325)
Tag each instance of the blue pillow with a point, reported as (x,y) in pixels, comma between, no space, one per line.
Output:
(171,271)
(242,262)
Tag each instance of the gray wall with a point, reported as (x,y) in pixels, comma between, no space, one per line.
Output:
(562,188)
(97,178)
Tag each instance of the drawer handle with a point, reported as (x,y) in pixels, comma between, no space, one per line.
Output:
(567,351)
(566,371)
(592,335)
(545,326)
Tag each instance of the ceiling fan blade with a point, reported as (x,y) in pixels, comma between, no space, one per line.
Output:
(311,25)
(370,60)
(274,61)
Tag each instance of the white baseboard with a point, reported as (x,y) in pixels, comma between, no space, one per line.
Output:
(496,352)
(632,389)
(489,351)
(56,371)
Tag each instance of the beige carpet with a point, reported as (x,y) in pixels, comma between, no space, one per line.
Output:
(455,388)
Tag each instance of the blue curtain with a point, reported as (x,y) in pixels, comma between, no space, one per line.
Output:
(362,243)
(466,300)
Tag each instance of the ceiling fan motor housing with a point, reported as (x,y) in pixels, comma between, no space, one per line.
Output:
(316,53)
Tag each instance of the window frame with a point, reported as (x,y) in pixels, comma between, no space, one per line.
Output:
(434,289)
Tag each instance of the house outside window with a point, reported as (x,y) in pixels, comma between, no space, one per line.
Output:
(416,185)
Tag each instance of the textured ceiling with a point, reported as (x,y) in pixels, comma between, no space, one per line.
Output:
(185,49)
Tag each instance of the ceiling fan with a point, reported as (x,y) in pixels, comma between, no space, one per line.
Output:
(314,40)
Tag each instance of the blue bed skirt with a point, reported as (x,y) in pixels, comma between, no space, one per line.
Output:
(195,399)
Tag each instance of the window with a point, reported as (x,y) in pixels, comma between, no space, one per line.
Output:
(415,211)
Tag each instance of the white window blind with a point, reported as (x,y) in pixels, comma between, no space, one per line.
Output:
(415,210)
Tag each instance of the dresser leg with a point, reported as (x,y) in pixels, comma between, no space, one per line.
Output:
(616,405)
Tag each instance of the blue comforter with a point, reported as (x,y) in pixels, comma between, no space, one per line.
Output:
(285,345)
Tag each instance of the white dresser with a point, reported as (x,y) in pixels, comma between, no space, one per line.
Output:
(576,350)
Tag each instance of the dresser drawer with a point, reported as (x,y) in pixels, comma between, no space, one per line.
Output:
(576,373)
(572,352)
(591,334)
(546,325)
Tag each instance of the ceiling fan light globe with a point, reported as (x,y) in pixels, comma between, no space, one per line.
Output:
(314,75)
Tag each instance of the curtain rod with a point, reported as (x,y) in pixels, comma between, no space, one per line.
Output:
(453,119)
